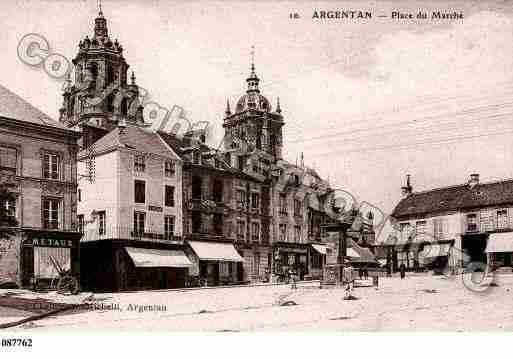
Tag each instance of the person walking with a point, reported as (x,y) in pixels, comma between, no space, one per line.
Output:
(403,270)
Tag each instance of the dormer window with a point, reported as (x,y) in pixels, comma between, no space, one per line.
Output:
(139,163)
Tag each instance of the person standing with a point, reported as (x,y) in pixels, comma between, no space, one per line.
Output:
(403,270)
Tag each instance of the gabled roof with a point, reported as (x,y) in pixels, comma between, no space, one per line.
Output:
(14,107)
(455,198)
(131,137)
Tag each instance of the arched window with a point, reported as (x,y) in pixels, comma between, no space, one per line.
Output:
(110,103)
(124,107)
(71,106)
(110,75)
(94,71)
(79,75)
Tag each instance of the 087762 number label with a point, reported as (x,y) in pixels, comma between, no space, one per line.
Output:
(16,342)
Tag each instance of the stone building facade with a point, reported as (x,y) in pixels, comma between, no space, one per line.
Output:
(132,209)
(38,158)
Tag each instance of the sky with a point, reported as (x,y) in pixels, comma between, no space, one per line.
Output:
(366,101)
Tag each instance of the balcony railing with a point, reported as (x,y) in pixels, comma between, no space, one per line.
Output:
(91,233)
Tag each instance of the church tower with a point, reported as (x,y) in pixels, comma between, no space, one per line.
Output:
(253,125)
(99,95)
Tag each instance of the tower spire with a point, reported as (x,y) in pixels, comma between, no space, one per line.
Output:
(278,108)
(100,24)
(228,112)
(253,79)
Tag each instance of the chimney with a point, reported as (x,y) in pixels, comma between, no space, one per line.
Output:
(474,180)
(408,189)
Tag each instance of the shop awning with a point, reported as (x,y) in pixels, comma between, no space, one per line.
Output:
(216,251)
(321,248)
(147,257)
(500,242)
(435,250)
(352,253)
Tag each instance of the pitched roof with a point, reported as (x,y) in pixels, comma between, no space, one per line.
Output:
(455,198)
(14,107)
(184,146)
(131,137)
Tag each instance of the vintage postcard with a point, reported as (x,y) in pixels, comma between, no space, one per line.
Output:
(247,166)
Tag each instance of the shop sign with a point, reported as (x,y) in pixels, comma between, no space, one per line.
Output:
(50,242)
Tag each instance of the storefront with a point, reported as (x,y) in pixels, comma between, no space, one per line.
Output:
(215,263)
(435,256)
(290,256)
(120,265)
(499,248)
(317,260)
(41,251)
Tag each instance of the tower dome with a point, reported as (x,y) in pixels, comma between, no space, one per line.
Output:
(253,99)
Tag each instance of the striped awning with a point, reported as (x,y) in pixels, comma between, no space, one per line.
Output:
(210,251)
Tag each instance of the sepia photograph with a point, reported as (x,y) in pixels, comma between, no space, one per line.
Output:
(255,167)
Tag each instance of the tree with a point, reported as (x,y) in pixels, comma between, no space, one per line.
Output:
(7,219)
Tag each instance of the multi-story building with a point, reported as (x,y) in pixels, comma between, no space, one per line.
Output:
(225,215)
(130,211)
(38,160)
(453,226)
(297,194)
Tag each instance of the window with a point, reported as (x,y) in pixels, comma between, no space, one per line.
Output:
(124,107)
(197,222)
(139,223)
(471,222)
(297,234)
(218,191)
(218,224)
(283,203)
(169,196)
(502,219)
(196,187)
(241,199)
(50,214)
(255,200)
(110,75)
(79,195)
(283,232)
(241,162)
(255,231)
(169,168)
(139,163)
(438,224)
(140,191)
(50,166)
(297,207)
(10,206)
(169,227)
(196,157)
(101,223)
(110,102)
(240,229)
(8,160)
(420,227)
(80,223)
